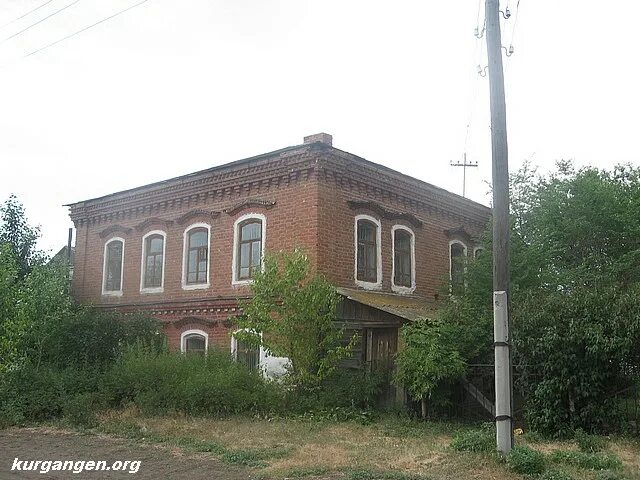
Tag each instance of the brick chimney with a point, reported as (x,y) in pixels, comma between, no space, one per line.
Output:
(319,137)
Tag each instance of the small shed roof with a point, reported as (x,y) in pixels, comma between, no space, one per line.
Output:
(409,307)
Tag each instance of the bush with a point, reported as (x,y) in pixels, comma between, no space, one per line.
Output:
(95,339)
(159,383)
(80,410)
(588,461)
(526,460)
(341,389)
(588,443)
(30,393)
(479,440)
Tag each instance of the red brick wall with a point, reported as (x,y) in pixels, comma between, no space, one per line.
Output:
(296,201)
(336,247)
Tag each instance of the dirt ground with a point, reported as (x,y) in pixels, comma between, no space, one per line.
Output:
(156,462)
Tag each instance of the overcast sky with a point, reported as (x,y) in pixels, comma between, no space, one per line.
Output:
(171,87)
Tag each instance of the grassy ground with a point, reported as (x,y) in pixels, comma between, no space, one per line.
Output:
(391,447)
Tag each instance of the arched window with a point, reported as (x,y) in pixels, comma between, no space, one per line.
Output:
(477,252)
(249,241)
(153,250)
(368,253)
(457,264)
(196,256)
(194,341)
(403,259)
(113,267)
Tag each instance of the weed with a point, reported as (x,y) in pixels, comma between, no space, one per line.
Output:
(588,461)
(526,460)
(482,440)
(589,443)
(380,475)
(553,474)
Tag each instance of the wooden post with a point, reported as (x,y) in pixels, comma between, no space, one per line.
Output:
(500,176)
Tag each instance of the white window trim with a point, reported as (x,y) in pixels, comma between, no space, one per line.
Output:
(476,250)
(112,293)
(361,283)
(464,249)
(236,237)
(401,288)
(184,335)
(159,289)
(185,247)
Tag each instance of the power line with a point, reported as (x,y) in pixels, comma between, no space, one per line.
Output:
(40,21)
(515,22)
(24,15)
(85,28)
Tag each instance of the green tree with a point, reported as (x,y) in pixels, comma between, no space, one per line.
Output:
(293,314)
(8,297)
(22,237)
(428,358)
(575,278)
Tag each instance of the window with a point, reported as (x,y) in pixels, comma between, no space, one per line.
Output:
(196,257)
(457,257)
(368,253)
(194,342)
(477,252)
(249,241)
(245,353)
(403,259)
(153,249)
(113,266)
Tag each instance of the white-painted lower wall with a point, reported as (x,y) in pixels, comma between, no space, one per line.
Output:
(272,367)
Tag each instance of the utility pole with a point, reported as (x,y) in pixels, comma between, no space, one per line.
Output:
(464,166)
(500,176)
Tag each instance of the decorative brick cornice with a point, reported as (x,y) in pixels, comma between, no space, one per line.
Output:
(353,173)
(384,213)
(220,184)
(198,212)
(153,221)
(113,229)
(250,203)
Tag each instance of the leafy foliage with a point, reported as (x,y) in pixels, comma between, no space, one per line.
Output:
(575,280)
(588,461)
(292,314)
(429,357)
(477,440)
(16,232)
(526,460)
(164,382)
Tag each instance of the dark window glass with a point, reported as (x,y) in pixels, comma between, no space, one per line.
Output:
(113,275)
(195,343)
(249,249)
(402,258)
(478,252)
(247,355)
(457,268)
(197,256)
(153,248)
(367,251)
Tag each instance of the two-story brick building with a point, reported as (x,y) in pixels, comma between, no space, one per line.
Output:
(185,249)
